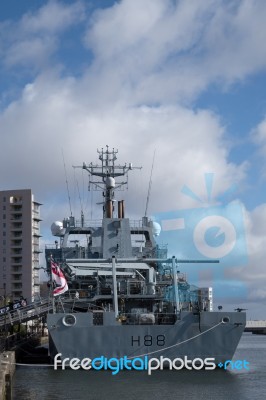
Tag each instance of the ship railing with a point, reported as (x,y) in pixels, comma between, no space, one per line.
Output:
(93,223)
(130,288)
(136,223)
(138,288)
(98,222)
(78,294)
(51,246)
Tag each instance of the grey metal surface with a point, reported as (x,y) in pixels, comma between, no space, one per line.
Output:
(209,338)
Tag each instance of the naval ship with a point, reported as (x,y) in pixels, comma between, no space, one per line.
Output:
(125,296)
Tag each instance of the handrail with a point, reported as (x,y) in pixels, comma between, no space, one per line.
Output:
(23,314)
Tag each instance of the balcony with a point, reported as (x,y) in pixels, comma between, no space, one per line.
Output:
(15,200)
(36,216)
(36,249)
(36,235)
(17,234)
(16,293)
(16,214)
(17,269)
(16,260)
(16,244)
(16,226)
(36,281)
(16,207)
(16,286)
(16,252)
(16,278)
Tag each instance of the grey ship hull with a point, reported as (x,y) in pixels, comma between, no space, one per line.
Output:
(190,336)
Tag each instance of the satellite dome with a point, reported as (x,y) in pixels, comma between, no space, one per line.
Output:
(110,182)
(57,228)
(156,228)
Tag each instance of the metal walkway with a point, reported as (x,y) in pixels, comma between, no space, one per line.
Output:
(32,311)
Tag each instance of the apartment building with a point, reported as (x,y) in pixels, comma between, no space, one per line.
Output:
(19,244)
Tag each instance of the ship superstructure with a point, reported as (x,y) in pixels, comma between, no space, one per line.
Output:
(126,297)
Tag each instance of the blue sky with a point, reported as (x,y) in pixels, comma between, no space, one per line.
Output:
(186,78)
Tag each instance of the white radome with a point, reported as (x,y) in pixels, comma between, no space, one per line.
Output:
(57,228)
(110,182)
(156,228)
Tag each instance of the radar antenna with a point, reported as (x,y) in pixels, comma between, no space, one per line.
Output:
(111,176)
(67,183)
(150,183)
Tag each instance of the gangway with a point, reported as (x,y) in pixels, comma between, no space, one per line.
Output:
(30,312)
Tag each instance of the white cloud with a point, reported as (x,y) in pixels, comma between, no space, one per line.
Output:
(164,51)
(33,50)
(33,39)
(156,29)
(259,136)
(253,273)
(53,17)
(257,224)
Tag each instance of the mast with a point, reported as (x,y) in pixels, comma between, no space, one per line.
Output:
(112,176)
(115,299)
(176,294)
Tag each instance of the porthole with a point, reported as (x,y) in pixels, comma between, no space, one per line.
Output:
(69,320)
(225,320)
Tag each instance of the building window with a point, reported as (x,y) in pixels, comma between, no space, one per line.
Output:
(14,199)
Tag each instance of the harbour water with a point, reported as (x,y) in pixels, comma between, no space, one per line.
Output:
(32,383)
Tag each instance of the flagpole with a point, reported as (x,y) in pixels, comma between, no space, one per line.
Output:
(52,285)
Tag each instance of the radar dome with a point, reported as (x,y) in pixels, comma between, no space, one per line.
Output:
(57,228)
(156,228)
(110,182)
